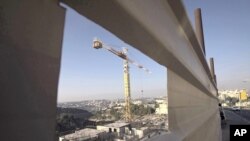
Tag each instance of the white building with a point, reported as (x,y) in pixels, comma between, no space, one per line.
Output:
(162,109)
(161,101)
(163,106)
(228,93)
(137,102)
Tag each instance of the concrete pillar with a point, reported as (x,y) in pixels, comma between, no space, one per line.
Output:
(31,33)
(199,29)
(211,61)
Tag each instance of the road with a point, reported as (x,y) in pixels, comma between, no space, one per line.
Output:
(234,117)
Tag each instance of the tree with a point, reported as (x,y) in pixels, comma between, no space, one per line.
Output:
(141,110)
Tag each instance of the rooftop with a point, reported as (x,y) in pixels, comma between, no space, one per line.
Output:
(117,124)
(84,133)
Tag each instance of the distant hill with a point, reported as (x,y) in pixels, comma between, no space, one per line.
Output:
(70,119)
(77,113)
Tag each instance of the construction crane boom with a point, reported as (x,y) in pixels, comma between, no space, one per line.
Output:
(97,44)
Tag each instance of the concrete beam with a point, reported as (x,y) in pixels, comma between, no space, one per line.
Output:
(211,61)
(199,29)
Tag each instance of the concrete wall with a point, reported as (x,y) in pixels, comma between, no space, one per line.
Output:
(31,33)
(102,128)
(192,114)
(141,132)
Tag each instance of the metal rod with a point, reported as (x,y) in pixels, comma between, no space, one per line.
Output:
(199,29)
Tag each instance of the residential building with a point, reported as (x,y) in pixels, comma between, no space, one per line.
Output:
(162,109)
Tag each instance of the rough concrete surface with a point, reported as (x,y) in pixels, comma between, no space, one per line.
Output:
(31,33)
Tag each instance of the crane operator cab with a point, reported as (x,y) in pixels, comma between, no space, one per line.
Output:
(97,44)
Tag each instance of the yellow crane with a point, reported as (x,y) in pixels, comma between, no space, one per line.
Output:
(97,44)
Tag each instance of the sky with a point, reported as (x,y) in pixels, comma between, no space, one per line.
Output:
(227,39)
(87,73)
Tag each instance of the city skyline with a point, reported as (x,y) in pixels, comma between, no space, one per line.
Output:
(87,73)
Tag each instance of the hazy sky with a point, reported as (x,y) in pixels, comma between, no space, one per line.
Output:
(87,73)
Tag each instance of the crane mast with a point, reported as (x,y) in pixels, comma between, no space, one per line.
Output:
(126,79)
(97,44)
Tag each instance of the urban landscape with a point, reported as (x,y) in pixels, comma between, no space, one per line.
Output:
(104,120)
(94,120)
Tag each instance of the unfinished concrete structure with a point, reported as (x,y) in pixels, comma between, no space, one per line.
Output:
(84,135)
(117,127)
(31,34)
